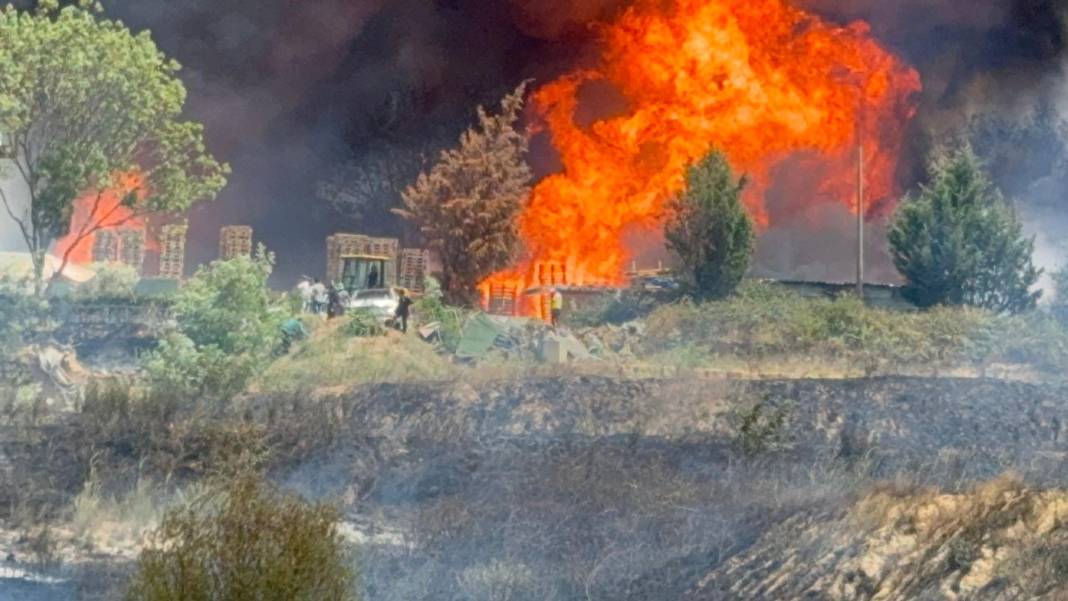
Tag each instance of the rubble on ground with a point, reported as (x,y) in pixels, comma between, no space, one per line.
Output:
(611,339)
(486,336)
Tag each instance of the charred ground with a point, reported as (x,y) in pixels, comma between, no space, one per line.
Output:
(560,487)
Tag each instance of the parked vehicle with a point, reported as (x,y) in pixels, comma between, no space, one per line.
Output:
(382,302)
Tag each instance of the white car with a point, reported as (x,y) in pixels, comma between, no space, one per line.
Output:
(380,301)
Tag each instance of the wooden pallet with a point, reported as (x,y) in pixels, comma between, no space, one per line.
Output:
(413,269)
(339,246)
(172,251)
(235,241)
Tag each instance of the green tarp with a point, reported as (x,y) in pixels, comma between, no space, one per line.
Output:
(478,336)
(156,287)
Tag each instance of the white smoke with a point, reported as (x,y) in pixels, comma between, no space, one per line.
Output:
(1048,221)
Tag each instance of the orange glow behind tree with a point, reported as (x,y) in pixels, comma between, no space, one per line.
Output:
(759,79)
(94,211)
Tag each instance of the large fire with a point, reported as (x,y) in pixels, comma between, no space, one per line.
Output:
(759,79)
(96,211)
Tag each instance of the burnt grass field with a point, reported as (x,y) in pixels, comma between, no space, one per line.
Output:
(567,488)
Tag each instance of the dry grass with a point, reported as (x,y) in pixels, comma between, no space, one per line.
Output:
(334,360)
(111,525)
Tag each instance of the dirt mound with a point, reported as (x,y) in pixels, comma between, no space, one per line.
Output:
(1001,541)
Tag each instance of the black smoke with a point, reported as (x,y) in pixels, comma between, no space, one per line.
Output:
(287,90)
(290,90)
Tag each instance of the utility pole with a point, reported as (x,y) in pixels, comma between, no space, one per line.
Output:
(860,205)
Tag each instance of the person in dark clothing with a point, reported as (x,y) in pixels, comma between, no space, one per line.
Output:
(333,304)
(404,309)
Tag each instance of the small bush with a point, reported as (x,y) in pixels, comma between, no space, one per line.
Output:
(246,544)
(166,434)
(760,430)
(179,368)
(229,328)
(23,318)
(364,324)
(112,282)
(764,320)
(432,309)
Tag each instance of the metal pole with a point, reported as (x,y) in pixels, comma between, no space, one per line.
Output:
(860,211)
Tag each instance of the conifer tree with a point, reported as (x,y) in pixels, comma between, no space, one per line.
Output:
(709,228)
(467,204)
(959,242)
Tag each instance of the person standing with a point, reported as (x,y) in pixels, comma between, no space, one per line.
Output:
(404,308)
(304,289)
(556,306)
(319,297)
(333,303)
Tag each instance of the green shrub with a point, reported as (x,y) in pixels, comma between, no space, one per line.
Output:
(23,317)
(228,305)
(112,282)
(228,330)
(431,308)
(246,544)
(364,324)
(179,368)
(760,430)
(765,320)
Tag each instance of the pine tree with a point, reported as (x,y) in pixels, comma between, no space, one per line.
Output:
(959,242)
(709,228)
(467,205)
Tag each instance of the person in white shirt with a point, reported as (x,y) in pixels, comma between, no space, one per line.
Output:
(319,297)
(304,289)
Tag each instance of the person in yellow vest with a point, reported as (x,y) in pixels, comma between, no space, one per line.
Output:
(556,306)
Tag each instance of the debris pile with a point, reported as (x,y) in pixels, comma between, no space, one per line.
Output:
(611,339)
(486,336)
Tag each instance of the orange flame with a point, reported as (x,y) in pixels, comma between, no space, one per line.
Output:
(758,79)
(96,211)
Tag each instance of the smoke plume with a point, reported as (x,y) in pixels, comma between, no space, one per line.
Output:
(291,91)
